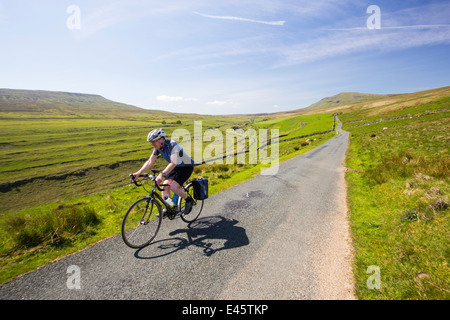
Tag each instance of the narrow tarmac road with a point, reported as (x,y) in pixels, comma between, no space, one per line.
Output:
(283,236)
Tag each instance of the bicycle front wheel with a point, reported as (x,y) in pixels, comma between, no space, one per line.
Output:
(141,223)
(196,208)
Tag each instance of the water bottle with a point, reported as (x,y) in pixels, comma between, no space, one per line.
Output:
(175,198)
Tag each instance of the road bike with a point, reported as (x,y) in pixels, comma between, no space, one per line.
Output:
(143,219)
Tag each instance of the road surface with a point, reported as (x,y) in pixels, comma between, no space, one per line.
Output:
(283,236)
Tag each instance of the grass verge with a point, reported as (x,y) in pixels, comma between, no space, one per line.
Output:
(398,198)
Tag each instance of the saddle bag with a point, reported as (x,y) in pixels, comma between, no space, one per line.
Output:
(200,188)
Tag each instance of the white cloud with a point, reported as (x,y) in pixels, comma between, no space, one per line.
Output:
(164,98)
(217,102)
(361,40)
(400,30)
(168,98)
(273,23)
(227,104)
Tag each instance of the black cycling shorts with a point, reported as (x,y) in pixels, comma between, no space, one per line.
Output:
(180,174)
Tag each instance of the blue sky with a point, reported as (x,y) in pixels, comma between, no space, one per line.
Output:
(224,57)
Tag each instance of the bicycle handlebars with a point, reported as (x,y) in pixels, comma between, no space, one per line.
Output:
(133,179)
(145,175)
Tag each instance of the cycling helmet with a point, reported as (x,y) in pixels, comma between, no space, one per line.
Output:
(155,135)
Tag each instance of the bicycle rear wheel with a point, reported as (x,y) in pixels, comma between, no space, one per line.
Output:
(141,223)
(196,208)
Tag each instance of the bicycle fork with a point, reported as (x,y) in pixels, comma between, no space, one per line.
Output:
(143,220)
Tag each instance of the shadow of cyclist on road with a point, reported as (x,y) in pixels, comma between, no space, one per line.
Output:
(211,234)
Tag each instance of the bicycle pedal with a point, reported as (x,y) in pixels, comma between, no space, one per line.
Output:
(171,215)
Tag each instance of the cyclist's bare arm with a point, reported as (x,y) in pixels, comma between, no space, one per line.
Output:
(147,165)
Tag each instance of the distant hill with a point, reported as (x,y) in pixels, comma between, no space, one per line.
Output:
(377,104)
(338,100)
(346,98)
(42,103)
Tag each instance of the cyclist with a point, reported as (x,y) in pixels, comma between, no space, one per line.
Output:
(178,170)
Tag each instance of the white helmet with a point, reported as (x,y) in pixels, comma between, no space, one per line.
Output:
(155,135)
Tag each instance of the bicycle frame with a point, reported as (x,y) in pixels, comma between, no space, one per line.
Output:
(154,194)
